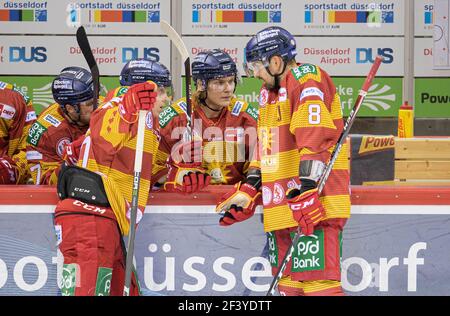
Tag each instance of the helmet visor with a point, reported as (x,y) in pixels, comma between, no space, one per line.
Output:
(253,66)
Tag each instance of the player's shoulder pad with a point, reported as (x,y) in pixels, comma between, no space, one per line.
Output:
(8,86)
(305,72)
(177,108)
(50,117)
(238,106)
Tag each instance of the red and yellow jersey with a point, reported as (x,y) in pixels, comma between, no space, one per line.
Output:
(159,169)
(226,140)
(45,144)
(16,116)
(109,149)
(301,121)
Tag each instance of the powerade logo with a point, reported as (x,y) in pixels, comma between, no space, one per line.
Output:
(27,54)
(129,53)
(367,55)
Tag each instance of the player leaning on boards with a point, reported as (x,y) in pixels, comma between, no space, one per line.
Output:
(224,128)
(300,121)
(16,116)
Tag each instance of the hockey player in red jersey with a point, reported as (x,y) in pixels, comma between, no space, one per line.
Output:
(224,128)
(60,124)
(16,116)
(137,71)
(300,121)
(95,195)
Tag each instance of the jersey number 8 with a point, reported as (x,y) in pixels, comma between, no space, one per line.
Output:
(314,114)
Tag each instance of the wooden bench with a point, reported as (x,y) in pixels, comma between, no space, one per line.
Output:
(422,161)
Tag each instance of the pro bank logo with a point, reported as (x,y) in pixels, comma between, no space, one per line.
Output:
(236,12)
(27,54)
(367,55)
(309,253)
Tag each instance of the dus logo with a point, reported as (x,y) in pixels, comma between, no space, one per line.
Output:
(151,53)
(27,54)
(367,55)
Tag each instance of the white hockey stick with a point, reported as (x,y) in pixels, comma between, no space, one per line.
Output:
(181,47)
(134,200)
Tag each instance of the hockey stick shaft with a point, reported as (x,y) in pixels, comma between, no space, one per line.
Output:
(176,39)
(134,200)
(348,124)
(85,47)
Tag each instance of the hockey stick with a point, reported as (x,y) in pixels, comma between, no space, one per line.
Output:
(134,200)
(83,42)
(326,173)
(181,47)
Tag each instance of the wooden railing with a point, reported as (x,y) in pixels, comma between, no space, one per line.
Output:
(422,161)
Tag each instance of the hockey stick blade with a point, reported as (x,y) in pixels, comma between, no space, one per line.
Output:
(175,39)
(334,155)
(85,47)
(181,47)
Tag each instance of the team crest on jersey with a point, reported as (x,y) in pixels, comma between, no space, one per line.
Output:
(278,193)
(52,120)
(6,111)
(282,94)
(263,97)
(60,145)
(237,108)
(266,195)
(149,120)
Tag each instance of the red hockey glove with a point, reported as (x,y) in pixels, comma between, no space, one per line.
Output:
(140,96)
(238,204)
(72,151)
(306,208)
(186,174)
(186,178)
(8,171)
